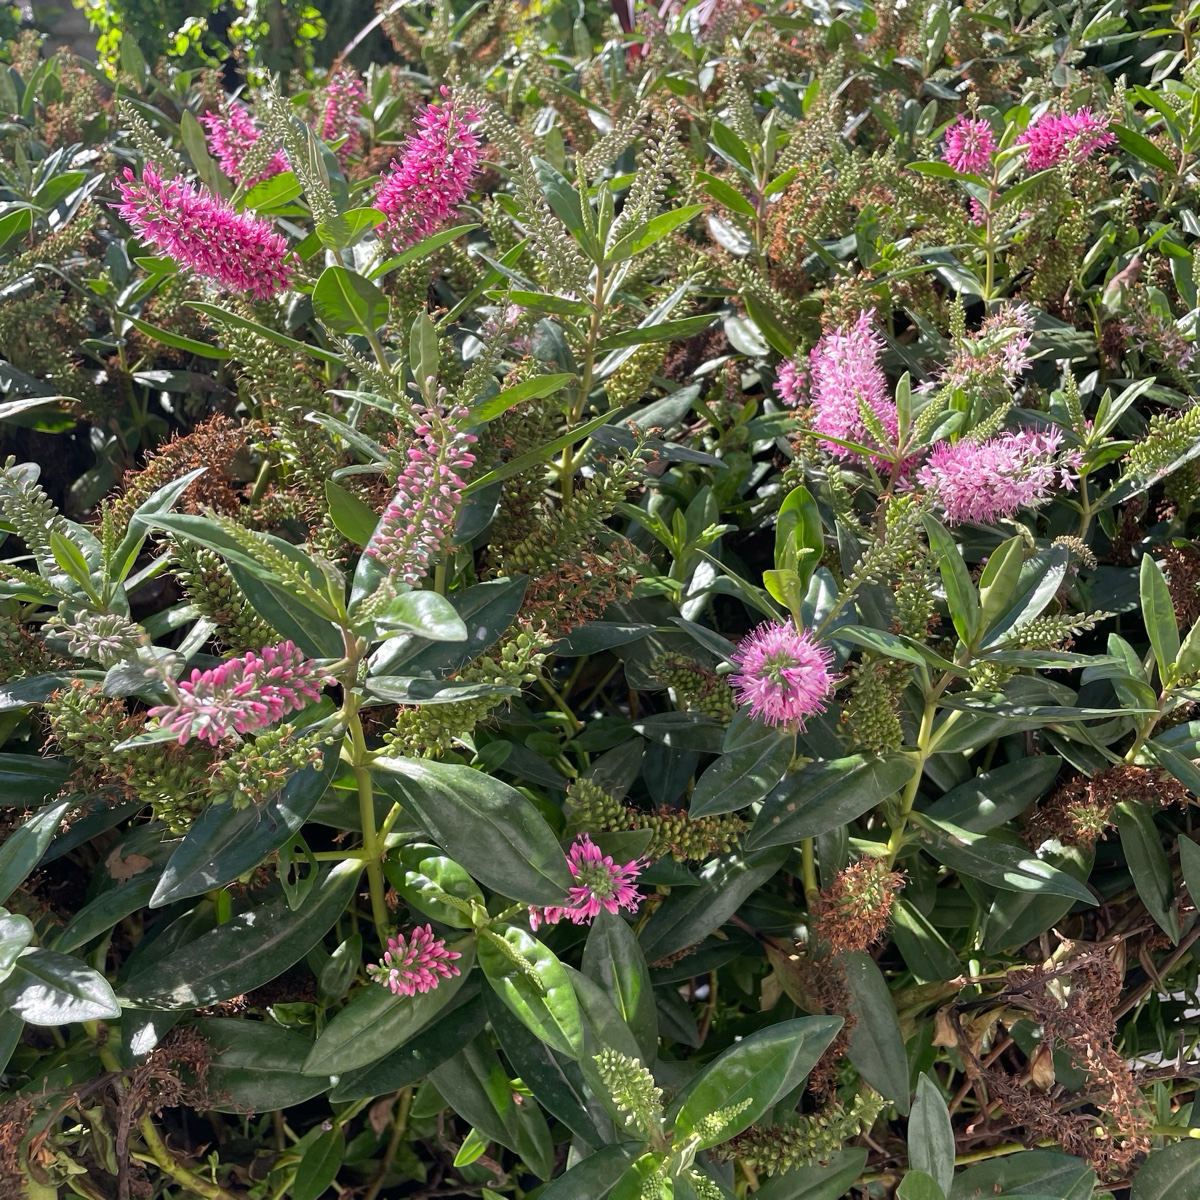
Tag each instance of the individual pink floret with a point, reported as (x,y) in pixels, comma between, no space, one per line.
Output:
(601,883)
(783,674)
(200,231)
(416,964)
(241,696)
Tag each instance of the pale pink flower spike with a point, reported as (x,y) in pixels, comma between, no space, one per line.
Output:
(600,884)
(784,674)
(416,964)
(242,695)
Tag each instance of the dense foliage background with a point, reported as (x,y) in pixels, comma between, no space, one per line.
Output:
(601,602)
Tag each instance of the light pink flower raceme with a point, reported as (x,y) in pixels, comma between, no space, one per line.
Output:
(432,176)
(418,523)
(240,251)
(231,136)
(1054,137)
(844,370)
(415,964)
(791,383)
(990,480)
(600,883)
(242,695)
(344,94)
(969,146)
(783,674)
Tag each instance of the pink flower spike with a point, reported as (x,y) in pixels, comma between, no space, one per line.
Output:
(969,146)
(344,94)
(231,136)
(844,369)
(416,964)
(418,523)
(241,251)
(791,382)
(784,674)
(600,884)
(1055,137)
(242,695)
(990,480)
(432,176)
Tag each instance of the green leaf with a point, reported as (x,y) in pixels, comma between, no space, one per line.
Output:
(423,249)
(690,914)
(744,775)
(473,1147)
(995,797)
(160,501)
(1148,863)
(961,596)
(760,1068)
(27,779)
(1172,1173)
(536,388)
(423,352)
(981,856)
(352,518)
(799,536)
(14,224)
(931,1135)
(424,877)
(919,1185)
(375,1023)
(825,795)
(594,1177)
(486,825)
(256,1065)
(224,842)
(47,988)
(614,959)
(876,1047)
(177,341)
(830,1182)
(650,232)
(926,953)
(16,932)
(727,195)
(252,948)
(223,315)
(1143,148)
(547,1007)
(1158,613)
(426,614)
(562,197)
(345,302)
(1189,860)
(346,228)
(560,306)
(999,580)
(287,613)
(1018,917)
(1027,1173)
(663,331)
(26,844)
(319,1165)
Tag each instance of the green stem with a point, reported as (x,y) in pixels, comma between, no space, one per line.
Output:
(566,470)
(909,796)
(359,760)
(808,873)
(399,1128)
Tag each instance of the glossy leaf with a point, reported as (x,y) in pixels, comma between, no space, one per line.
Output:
(256,1065)
(345,302)
(614,959)
(26,844)
(1169,1174)
(876,1047)
(47,988)
(931,1135)
(744,775)
(1148,864)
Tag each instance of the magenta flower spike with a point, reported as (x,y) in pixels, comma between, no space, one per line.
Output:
(344,94)
(432,176)
(600,884)
(418,523)
(844,369)
(1054,137)
(242,695)
(969,146)
(783,674)
(791,383)
(416,964)
(231,136)
(989,480)
(206,234)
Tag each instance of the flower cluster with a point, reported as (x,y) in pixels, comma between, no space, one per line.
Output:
(418,522)
(414,964)
(344,94)
(206,234)
(600,883)
(990,361)
(432,176)
(784,674)
(791,383)
(241,695)
(990,480)
(231,137)
(970,145)
(1056,137)
(845,377)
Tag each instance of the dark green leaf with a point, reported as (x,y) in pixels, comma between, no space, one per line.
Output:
(1172,1173)
(353,518)
(961,596)
(256,1065)
(614,959)
(594,1177)
(319,1165)
(1159,615)
(1148,864)
(876,1047)
(830,1182)
(744,775)
(931,1135)
(995,797)
(663,331)
(48,988)
(26,844)
(925,951)
(1143,148)
(345,302)
(1027,1173)
(428,615)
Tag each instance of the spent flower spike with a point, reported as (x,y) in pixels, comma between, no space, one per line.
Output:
(242,695)
(783,674)
(200,231)
(415,964)
(970,144)
(231,136)
(600,883)
(1054,137)
(989,480)
(418,522)
(433,174)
